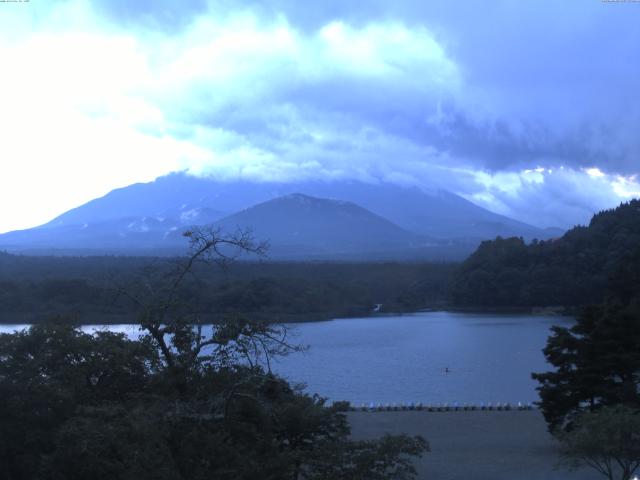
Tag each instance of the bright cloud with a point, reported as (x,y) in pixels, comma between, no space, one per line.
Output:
(550,197)
(100,95)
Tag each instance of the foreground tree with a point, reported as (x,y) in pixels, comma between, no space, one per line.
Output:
(184,401)
(592,398)
(49,374)
(607,440)
(597,362)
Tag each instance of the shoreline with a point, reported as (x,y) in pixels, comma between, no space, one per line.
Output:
(106,319)
(480,445)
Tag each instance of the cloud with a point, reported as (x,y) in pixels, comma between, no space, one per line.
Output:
(511,105)
(165,15)
(553,197)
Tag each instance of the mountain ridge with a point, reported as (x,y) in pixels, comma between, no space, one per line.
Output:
(319,225)
(141,216)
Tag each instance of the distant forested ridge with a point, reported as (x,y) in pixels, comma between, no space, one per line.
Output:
(33,289)
(570,271)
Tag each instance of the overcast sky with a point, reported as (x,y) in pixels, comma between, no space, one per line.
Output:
(528,108)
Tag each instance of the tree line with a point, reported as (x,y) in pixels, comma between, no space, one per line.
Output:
(35,288)
(591,396)
(571,271)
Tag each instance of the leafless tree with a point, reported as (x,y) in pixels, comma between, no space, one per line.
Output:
(176,327)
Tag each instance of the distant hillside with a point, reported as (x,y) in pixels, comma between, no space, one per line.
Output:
(146,218)
(296,226)
(127,235)
(576,269)
(437,213)
(300,224)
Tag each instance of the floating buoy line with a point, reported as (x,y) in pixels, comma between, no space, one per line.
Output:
(441,407)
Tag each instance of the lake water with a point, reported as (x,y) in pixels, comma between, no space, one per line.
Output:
(393,359)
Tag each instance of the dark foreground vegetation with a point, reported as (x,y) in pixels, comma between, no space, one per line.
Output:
(176,404)
(37,288)
(591,399)
(76,406)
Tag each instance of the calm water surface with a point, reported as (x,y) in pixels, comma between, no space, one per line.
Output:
(404,358)
(401,359)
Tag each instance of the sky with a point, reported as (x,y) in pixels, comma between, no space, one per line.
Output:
(529,108)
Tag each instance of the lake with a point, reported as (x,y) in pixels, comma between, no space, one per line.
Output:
(393,359)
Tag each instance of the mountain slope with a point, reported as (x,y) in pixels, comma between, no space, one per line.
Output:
(439,213)
(295,225)
(300,223)
(574,270)
(147,216)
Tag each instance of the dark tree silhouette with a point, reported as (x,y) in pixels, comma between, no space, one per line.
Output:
(185,401)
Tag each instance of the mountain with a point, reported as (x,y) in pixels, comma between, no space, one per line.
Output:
(145,217)
(439,213)
(299,224)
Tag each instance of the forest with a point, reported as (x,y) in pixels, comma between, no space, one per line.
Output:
(33,289)
(571,271)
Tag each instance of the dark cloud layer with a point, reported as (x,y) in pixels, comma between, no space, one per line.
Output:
(545,82)
(526,107)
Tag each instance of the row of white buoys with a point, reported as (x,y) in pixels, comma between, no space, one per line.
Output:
(441,407)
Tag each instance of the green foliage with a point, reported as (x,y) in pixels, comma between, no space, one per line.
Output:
(46,373)
(597,362)
(183,402)
(35,288)
(386,458)
(110,442)
(570,271)
(607,440)
(77,406)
